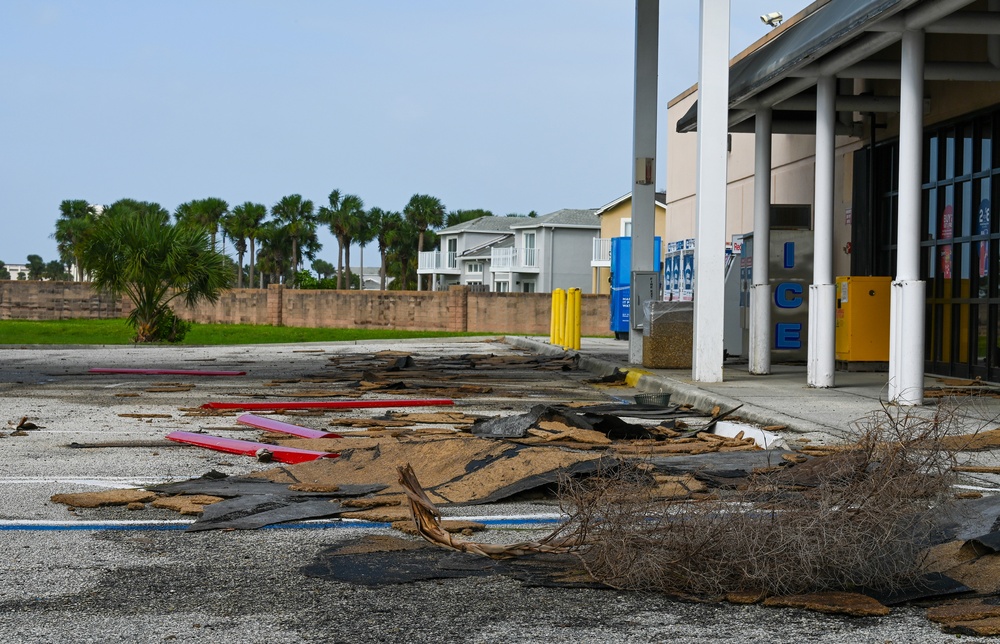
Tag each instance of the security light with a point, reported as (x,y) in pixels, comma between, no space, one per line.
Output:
(772,19)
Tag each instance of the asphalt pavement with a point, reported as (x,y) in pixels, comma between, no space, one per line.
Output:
(111,575)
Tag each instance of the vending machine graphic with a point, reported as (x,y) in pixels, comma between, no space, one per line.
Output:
(790,264)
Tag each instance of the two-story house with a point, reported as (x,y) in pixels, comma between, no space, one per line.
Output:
(616,221)
(508,254)
(548,252)
(464,253)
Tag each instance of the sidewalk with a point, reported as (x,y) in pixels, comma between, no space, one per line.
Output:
(780,398)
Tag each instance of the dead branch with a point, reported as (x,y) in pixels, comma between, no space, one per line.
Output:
(428,521)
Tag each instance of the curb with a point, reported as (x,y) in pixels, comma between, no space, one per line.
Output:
(681,392)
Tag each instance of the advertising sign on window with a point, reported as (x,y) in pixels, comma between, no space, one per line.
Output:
(984,229)
(947,232)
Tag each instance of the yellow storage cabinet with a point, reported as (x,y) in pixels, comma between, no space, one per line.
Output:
(862,333)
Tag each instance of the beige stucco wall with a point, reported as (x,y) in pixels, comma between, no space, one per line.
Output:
(792,180)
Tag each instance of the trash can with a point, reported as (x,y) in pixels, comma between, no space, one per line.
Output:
(668,335)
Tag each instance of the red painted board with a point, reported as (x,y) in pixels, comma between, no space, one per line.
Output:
(327,404)
(168,372)
(249,448)
(272,425)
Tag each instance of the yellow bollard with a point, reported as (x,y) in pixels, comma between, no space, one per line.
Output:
(577,313)
(569,323)
(559,302)
(553,316)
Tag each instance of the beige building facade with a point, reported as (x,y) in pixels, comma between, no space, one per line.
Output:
(909,93)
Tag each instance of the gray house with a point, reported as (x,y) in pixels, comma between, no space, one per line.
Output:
(506,254)
(464,253)
(549,252)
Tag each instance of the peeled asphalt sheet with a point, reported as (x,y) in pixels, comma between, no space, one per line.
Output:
(67,577)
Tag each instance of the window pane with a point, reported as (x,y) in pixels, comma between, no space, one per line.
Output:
(931,158)
(949,155)
(967,149)
(982,331)
(986,144)
(963,332)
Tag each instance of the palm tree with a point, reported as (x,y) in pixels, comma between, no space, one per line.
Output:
(424,211)
(242,225)
(207,213)
(382,222)
(364,234)
(458,216)
(343,218)
(133,252)
(146,209)
(274,246)
(76,220)
(295,215)
(402,237)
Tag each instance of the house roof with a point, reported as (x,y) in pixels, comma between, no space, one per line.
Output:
(485,250)
(480,224)
(661,200)
(568,218)
(826,38)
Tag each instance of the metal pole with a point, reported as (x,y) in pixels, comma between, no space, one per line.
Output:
(760,292)
(647,33)
(710,213)
(821,356)
(908,298)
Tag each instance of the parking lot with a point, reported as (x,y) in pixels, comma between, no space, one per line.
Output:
(114,575)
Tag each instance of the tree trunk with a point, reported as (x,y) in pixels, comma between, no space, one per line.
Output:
(361,281)
(347,260)
(239,270)
(381,269)
(420,249)
(295,261)
(340,262)
(252,244)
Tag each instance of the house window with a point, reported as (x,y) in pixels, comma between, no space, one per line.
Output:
(502,287)
(474,268)
(626,227)
(528,287)
(529,249)
(452,252)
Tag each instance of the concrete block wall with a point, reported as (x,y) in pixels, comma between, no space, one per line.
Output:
(34,300)
(456,309)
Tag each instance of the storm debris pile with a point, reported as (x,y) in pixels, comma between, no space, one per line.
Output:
(870,525)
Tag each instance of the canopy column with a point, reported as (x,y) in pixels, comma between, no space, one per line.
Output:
(908,295)
(760,291)
(710,209)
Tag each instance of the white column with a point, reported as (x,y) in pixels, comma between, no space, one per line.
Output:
(647,32)
(821,355)
(760,291)
(907,307)
(710,210)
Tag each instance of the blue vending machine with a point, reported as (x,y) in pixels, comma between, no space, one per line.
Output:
(621,282)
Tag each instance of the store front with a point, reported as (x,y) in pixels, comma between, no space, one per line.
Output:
(960,247)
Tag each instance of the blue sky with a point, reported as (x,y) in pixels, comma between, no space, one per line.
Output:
(509,106)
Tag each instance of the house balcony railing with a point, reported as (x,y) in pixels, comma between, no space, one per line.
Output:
(434,261)
(602,252)
(506,260)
